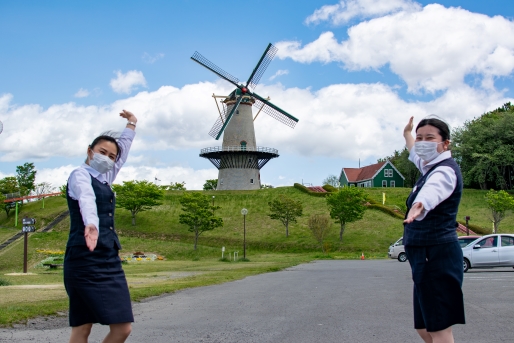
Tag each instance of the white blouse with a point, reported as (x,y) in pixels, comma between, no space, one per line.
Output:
(79,182)
(439,185)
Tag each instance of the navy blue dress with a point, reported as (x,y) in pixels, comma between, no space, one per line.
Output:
(435,256)
(94,280)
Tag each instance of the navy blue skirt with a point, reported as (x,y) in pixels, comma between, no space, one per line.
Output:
(437,273)
(96,287)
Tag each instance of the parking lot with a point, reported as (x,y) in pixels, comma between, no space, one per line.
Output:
(322,301)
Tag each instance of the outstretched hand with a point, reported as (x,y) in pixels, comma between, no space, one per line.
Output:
(414,212)
(408,128)
(128,115)
(91,236)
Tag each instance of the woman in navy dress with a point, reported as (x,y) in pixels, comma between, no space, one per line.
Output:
(430,239)
(93,277)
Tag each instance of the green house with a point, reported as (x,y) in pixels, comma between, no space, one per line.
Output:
(382,174)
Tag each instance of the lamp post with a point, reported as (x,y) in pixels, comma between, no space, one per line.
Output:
(213,204)
(244,212)
(467,226)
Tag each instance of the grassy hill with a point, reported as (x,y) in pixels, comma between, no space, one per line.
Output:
(371,235)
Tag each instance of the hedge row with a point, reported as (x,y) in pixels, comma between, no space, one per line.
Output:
(308,191)
(386,210)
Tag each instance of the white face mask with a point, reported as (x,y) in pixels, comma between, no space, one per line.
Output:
(427,151)
(101,163)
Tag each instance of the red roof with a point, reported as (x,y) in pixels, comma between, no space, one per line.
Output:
(364,173)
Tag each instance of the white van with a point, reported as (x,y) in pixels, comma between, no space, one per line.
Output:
(396,250)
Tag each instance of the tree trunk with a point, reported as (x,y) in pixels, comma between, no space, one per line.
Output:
(287,228)
(341,232)
(133,219)
(196,239)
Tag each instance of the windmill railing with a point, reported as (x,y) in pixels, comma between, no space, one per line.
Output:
(238,148)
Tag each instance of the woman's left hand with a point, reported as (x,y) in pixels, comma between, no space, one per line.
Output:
(414,212)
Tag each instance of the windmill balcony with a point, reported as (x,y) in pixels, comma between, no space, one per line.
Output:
(239,157)
(238,148)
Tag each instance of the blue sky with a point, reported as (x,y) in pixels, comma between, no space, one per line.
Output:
(352,71)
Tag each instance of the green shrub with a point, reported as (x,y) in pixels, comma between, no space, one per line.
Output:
(308,191)
(476,229)
(386,210)
(4,282)
(330,188)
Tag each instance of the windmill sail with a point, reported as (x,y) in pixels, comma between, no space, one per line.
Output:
(274,111)
(261,67)
(197,57)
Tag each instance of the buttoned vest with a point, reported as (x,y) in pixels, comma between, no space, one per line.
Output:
(105,205)
(440,223)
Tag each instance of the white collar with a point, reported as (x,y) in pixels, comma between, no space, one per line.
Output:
(94,173)
(442,156)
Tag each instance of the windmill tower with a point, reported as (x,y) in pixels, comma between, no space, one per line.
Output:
(239,159)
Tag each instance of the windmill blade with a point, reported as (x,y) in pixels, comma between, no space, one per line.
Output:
(214,68)
(216,128)
(274,111)
(234,108)
(260,68)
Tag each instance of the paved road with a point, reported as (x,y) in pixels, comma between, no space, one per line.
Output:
(323,301)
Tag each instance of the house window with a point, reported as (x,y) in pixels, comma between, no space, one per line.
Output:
(388,172)
(352,185)
(251,181)
(243,145)
(384,183)
(369,183)
(392,183)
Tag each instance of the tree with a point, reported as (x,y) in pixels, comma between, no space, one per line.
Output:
(26,177)
(501,204)
(43,188)
(331,180)
(484,149)
(137,196)
(62,189)
(286,210)
(319,224)
(9,185)
(346,206)
(265,186)
(177,186)
(198,214)
(210,185)
(400,159)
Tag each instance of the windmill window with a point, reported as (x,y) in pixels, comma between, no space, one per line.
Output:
(250,160)
(221,181)
(251,181)
(243,145)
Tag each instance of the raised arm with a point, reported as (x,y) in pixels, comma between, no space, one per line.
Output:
(407,134)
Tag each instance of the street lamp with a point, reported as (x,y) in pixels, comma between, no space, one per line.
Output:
(213,204)
(244,212)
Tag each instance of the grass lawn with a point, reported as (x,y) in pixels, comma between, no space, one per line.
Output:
(159,231)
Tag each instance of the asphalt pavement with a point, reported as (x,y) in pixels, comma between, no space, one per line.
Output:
(322,301)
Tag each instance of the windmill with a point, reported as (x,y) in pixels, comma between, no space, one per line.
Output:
(239,159)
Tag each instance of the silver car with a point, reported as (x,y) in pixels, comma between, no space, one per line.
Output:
(397,250)
(489,251)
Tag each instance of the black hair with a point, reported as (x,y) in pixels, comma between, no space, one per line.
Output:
(111,139)
(440,125)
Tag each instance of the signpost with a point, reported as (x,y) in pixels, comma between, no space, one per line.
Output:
(28,226)
(467,226)
(244,212)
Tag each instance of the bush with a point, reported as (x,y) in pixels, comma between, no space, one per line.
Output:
(4,282)
(330,188)
(386,210)
(476,229)
(308,191)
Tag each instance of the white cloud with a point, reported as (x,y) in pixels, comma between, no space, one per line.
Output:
(151,59)
(194,178)
(82,93)
(347,10)
(127,83)
(347,121)
(431,50)
(279,72)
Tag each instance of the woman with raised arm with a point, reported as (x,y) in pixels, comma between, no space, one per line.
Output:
(93,277)
(430,239)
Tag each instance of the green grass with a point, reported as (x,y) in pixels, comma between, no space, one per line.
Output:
(159,231)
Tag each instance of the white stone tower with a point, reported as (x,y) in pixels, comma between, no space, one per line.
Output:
(239,159)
